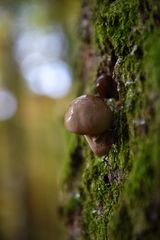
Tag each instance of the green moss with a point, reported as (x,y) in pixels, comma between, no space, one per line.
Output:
(72,205)
(119,193)
(74,161)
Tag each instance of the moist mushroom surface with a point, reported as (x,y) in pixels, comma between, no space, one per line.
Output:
(88,115)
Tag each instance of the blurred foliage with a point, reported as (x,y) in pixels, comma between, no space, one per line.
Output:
(32,146)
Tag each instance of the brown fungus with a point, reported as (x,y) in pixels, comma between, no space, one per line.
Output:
(106,86)
(100,144)
(89,115)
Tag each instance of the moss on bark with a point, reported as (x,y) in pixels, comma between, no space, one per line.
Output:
(117,196)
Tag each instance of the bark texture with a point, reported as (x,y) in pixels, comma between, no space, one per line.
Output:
(117,197)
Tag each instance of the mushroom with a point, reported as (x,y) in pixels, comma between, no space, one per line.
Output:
(106,86)
(100,144)
(89,115)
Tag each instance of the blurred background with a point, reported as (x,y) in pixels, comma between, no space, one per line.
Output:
(37,47)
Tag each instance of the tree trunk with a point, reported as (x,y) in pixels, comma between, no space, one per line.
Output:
(118,196)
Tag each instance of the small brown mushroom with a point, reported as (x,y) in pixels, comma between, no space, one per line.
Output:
(100,144)
(89,115)
(106,86)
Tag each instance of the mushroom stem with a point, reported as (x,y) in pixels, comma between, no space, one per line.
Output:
(100,144)
(89,115)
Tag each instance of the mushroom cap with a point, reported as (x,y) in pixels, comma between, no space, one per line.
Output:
(106,86)
(88,115)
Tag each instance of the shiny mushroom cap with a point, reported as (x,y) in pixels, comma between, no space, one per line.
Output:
(88,115)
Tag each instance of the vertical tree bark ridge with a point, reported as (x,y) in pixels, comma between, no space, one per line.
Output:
(117,197)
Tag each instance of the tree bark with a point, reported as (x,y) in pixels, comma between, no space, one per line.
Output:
(117,197)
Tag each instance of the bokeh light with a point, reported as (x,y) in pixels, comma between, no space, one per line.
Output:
(50,43)
(52,80)
(40,54)
(35,81)
(8,104)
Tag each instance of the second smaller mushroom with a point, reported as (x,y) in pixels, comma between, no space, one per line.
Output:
(89,115)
